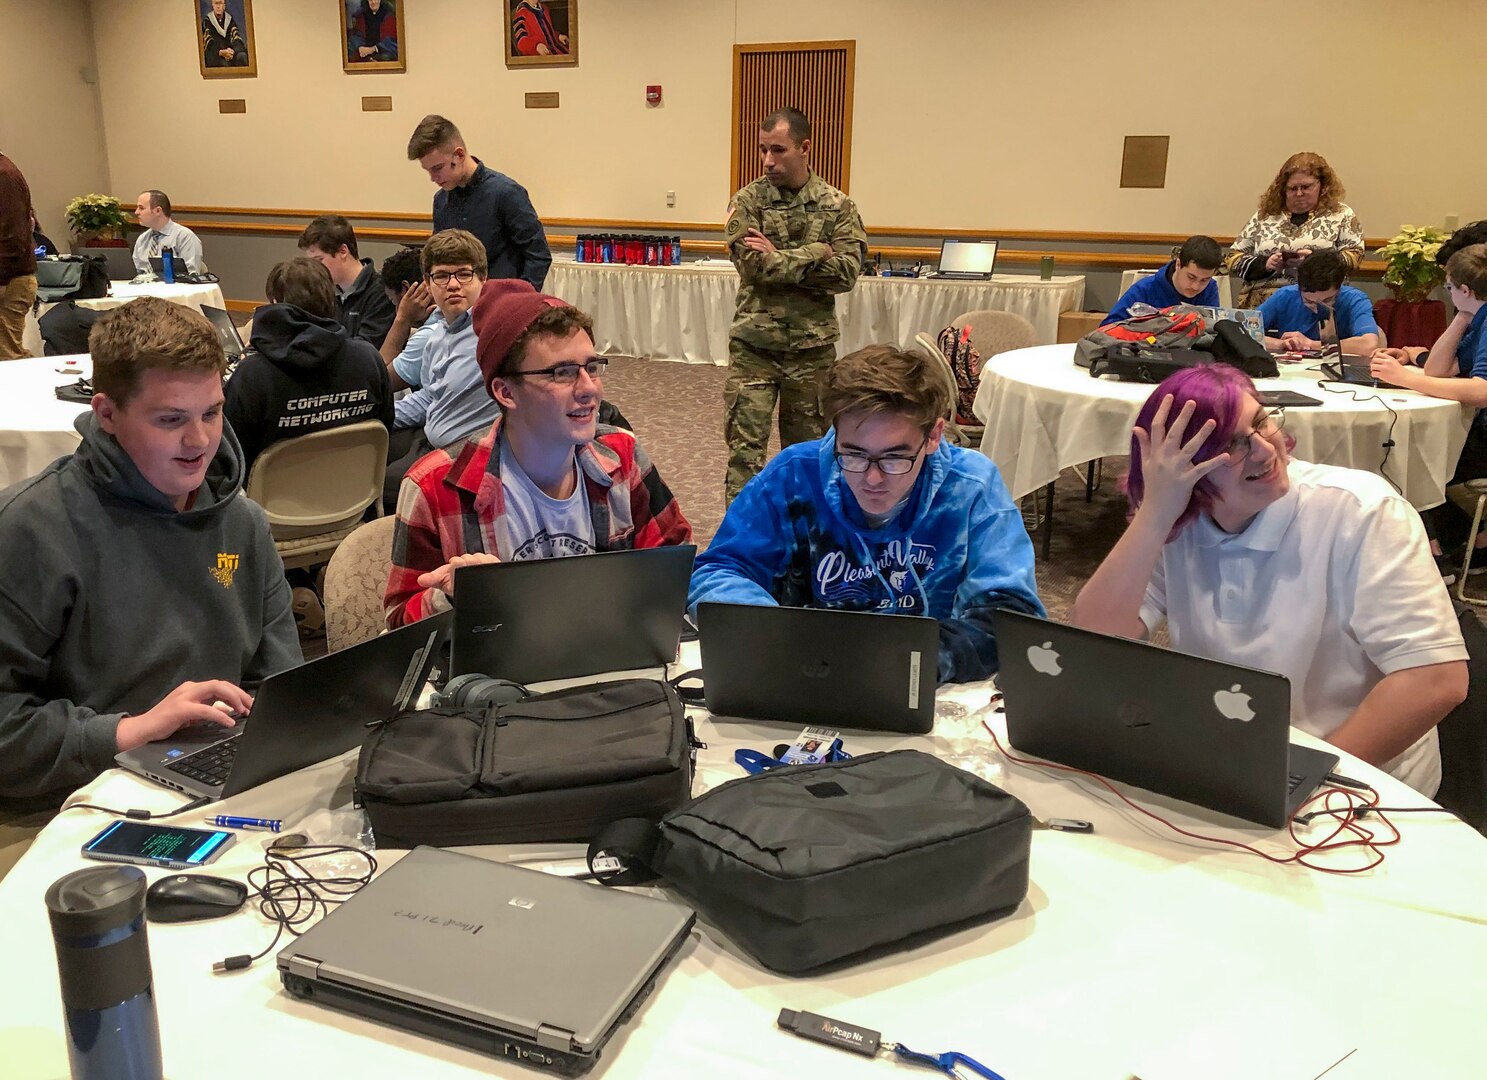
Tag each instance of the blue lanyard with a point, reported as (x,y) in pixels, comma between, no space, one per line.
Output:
(946,1063)
(757,761)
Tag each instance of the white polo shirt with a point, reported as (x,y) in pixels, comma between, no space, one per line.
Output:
(1331,586)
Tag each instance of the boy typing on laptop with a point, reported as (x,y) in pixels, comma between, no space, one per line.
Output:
(547,480)
(136,567)
(880,514)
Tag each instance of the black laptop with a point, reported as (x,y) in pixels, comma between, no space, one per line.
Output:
(538,969)
(562,618)
(227,332)
(301,716)
(1355,370)
(967,260)
(1199,730)
(814,666)
(179,267)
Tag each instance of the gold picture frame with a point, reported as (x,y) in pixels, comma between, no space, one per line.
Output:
(541,33)
(388,54)
(225,48)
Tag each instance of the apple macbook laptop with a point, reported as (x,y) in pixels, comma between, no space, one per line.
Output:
(1206,732)
(533,620)
(532,967)
(967,260)
(300,716)
(815,666)
(227,332)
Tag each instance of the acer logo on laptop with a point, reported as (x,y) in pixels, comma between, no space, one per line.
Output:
(486,628)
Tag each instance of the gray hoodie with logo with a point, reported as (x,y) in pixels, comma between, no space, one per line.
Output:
(110,598)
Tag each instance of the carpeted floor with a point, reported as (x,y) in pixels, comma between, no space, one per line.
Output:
(677,411)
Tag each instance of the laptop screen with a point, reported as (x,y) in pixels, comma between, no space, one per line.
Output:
(967,256)
(232,344)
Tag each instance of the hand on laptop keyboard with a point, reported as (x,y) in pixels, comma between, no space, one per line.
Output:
(189,703)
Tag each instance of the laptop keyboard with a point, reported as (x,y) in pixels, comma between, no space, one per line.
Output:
(209,766)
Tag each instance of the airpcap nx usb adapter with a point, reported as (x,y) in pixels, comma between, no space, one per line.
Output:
(835,1033)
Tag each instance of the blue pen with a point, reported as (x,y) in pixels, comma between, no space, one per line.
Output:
(226,822)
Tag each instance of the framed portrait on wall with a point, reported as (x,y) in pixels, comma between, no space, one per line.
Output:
(224,31)
(541,33)
(372,36)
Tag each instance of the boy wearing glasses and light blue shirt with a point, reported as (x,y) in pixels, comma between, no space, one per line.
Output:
(880,514)
(546,480)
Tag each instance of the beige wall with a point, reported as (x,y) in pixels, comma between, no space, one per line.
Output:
(969,113)
(49,118)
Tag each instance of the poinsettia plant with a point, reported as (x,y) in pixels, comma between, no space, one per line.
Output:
(96,215)
(1411,270)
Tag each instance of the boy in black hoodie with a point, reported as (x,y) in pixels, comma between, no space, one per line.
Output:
(133,567)
(303,372)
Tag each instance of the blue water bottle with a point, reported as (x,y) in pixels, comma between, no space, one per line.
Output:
(103,961)
(676,251)
(167,265)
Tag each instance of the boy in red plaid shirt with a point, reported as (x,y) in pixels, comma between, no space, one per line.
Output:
(546,481)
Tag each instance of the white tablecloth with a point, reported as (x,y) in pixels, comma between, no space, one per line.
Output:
(36,428)
(1226,286)
(684,312)
(1043,414)
(121,292)
(1135,952)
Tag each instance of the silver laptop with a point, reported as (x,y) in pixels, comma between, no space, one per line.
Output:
(528,966)
(227,331)
(301,716)
(541,619)
(1206,732)
(826,668)
(967,260)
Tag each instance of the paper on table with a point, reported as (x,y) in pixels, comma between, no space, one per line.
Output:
(1280,1039)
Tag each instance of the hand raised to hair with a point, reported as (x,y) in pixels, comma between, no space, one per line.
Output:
(1168,471)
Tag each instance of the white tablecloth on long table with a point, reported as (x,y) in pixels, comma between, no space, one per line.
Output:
(36,428)
(120,293)
(1043,413)
(1136,952)
(684,312)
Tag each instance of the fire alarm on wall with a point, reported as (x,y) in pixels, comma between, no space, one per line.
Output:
(653,95)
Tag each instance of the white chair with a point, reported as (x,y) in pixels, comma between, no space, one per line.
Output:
(995,332)
(315,488)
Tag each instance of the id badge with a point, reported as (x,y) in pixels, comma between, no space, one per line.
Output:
(813,747)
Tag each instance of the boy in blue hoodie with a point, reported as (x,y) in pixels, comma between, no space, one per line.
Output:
(880,514)
(1187,279)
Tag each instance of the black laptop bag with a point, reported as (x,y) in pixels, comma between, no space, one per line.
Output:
(71,277)
(551,767)
(816,865)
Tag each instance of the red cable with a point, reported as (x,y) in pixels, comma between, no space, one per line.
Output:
(1347,814)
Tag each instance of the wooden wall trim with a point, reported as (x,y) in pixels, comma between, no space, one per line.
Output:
(627,224)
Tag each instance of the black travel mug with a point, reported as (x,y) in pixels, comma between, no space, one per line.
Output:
(103,960)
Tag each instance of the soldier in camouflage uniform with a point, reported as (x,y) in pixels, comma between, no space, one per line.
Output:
(797,242)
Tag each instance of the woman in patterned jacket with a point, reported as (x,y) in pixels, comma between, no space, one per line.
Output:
(1302,210)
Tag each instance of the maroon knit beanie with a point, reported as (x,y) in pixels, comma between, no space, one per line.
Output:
(507,306)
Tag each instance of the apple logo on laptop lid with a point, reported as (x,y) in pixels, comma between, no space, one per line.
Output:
(1044,659)
(1232,704)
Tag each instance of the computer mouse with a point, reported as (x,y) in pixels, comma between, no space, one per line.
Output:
(189,897)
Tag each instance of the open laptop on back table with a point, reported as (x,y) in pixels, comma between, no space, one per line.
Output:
(1199,730)
(819,667)
(227,332)
(967,260)
(300,716)
(541,619)
(528,966)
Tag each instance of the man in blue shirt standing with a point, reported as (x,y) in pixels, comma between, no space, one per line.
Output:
(1187,279)
(1295,316)
(1455,368)
(476,198)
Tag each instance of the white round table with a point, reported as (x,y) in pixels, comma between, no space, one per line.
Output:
(35,427)
(120,293)
(1043,413)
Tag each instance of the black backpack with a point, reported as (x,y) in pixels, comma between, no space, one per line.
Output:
(71,277)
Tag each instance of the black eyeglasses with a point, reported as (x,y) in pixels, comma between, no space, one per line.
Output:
(1266,425)
(443,277)
(565,374)
(888,464)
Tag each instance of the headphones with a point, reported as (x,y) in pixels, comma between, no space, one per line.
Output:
(475,689)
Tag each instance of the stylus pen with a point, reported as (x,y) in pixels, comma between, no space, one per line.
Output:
(265,824)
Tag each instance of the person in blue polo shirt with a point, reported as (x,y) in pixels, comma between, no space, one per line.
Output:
(1455,368)
(1294,316)
(1187,279)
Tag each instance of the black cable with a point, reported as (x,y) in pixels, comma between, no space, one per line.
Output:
(291,899)
(1360,812)
(1352,392)
(142,815)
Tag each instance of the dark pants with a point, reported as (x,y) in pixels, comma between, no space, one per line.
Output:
(1448,523)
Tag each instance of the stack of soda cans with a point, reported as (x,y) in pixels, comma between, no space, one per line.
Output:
(631,249)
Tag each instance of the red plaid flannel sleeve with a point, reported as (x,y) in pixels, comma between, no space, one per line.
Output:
(428,523)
